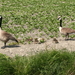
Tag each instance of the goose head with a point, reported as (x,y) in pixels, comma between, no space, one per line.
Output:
(59,18)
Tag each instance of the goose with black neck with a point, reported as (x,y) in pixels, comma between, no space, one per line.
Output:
(5,36)
(65,31)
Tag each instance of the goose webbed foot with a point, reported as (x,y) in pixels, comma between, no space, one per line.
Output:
(3,47)
(66,39)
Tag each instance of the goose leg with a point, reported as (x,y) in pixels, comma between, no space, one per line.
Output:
(4,44)
(67,36)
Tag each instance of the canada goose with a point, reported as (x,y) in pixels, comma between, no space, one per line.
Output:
(4,36)
(65,31)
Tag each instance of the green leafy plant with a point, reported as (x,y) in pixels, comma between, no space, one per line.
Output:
(24,16)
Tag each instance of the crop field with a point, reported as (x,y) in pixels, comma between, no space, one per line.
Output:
(21,17)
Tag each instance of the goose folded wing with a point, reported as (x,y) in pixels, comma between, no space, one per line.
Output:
(68,30)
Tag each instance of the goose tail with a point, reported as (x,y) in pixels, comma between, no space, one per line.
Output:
(73,31)
(14,39)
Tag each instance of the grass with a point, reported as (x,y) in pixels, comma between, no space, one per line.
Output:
(53,62)
(23,16)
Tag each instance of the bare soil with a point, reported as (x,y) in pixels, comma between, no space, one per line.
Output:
(31,49)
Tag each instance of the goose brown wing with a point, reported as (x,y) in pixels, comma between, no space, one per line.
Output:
(5,34)
(68,30)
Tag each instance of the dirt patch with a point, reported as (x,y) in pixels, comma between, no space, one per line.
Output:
(30,49)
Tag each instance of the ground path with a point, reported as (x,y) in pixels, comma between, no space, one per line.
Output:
(32,48)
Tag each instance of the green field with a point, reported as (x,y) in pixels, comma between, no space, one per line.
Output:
(23,16)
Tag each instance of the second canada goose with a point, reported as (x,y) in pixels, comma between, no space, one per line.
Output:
(65,31)
(4,36)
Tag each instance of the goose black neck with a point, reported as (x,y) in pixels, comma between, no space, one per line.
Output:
(61,23)
(0,21)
